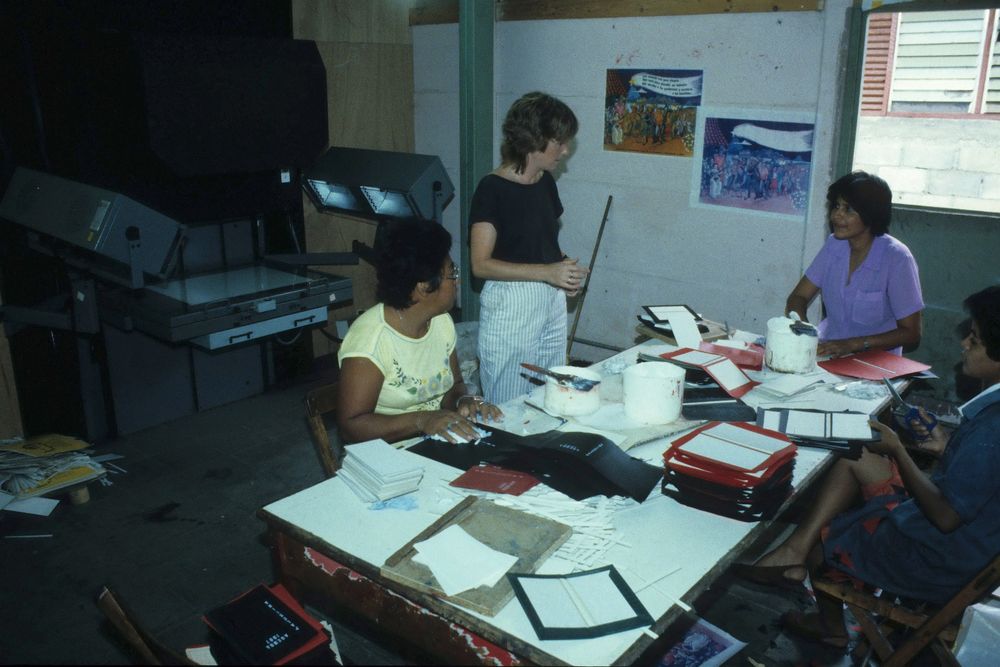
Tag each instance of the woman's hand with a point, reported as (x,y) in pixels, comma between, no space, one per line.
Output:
(567,275)
(476,408)
(932,441)
(889,443)
(836,348)
(449,425)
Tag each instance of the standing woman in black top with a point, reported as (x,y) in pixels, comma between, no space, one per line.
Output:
(515,248)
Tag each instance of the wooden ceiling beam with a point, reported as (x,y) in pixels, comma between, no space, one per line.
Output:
(426,12)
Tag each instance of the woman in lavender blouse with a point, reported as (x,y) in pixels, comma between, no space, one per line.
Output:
(869,280)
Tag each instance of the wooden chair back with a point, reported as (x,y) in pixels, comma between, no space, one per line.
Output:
(321,404)
(148,649)
(938,627)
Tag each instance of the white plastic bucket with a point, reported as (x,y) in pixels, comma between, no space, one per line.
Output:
(569,402)
(788,352)
(653,392)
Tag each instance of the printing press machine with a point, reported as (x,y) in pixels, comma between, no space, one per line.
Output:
(188,313)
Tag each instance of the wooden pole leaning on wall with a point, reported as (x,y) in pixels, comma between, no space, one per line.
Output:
(586,283)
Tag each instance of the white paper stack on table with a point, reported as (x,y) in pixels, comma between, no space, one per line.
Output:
(375,470)
(790,384)
(460,562)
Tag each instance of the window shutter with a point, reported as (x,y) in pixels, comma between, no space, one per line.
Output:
(938,61)
(879,51)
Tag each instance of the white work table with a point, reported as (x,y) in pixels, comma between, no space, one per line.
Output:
(667,552)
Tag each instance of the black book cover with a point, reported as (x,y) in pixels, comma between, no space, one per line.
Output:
(257,628)
(578,464)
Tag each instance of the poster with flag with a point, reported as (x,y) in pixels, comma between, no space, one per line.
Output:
(652,110)
(756,161)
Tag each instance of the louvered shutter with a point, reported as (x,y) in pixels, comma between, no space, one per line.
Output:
(879,51)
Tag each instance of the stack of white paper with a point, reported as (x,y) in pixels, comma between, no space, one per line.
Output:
(460,562)
(25,475)
(375,470)
(788,385)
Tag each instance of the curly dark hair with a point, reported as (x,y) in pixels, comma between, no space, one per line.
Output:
(411,252)
(984,309)
(531,122)
(867,194)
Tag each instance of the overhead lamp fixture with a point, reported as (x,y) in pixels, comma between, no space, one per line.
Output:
(379,185)
(104,232)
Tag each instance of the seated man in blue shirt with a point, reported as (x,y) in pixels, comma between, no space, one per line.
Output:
(915,536)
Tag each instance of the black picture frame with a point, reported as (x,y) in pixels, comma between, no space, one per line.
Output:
(640,619)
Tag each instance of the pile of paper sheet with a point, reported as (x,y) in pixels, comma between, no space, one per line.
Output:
(460,562)
(791,384)
(375,470)
(45,463)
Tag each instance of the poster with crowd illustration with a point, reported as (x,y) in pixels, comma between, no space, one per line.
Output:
(755,161)
(652,110)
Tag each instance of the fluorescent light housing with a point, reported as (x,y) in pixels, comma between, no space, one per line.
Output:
(379,185)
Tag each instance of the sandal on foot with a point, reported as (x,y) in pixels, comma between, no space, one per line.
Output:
(811,626)
(769,575)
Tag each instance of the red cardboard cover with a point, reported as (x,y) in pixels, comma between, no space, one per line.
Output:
(713,369)
(751,358)
(721,472)
(495,479)
(873,365)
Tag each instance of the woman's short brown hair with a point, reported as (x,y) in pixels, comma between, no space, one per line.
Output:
(531,122)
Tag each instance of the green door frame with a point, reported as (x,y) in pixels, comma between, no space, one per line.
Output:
(475,80)
(850,102)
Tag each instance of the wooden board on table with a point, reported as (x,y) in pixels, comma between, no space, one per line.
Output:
(531,538)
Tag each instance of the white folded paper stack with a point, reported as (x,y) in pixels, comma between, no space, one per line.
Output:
(375,470)
(792,384)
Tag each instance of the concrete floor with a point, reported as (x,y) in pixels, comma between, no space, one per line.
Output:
(177,535)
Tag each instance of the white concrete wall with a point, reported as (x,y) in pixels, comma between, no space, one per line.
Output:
(727,264)
(940,162)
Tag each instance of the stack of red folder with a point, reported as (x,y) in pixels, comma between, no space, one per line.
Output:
(734,469)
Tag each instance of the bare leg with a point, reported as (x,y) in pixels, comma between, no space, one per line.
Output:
(840,490)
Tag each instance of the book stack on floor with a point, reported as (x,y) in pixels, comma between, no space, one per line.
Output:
(375,470)
(267,626)
(734,469)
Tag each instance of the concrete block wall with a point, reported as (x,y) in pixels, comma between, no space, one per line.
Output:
(939,162)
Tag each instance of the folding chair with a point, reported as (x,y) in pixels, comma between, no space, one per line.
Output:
(149,650)
(878,616)
(321,404)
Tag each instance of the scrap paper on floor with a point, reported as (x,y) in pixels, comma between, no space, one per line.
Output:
(459,561)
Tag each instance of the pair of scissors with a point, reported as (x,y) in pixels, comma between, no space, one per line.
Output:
(906,413)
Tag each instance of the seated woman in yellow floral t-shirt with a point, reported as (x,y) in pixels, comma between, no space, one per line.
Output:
(399,372)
